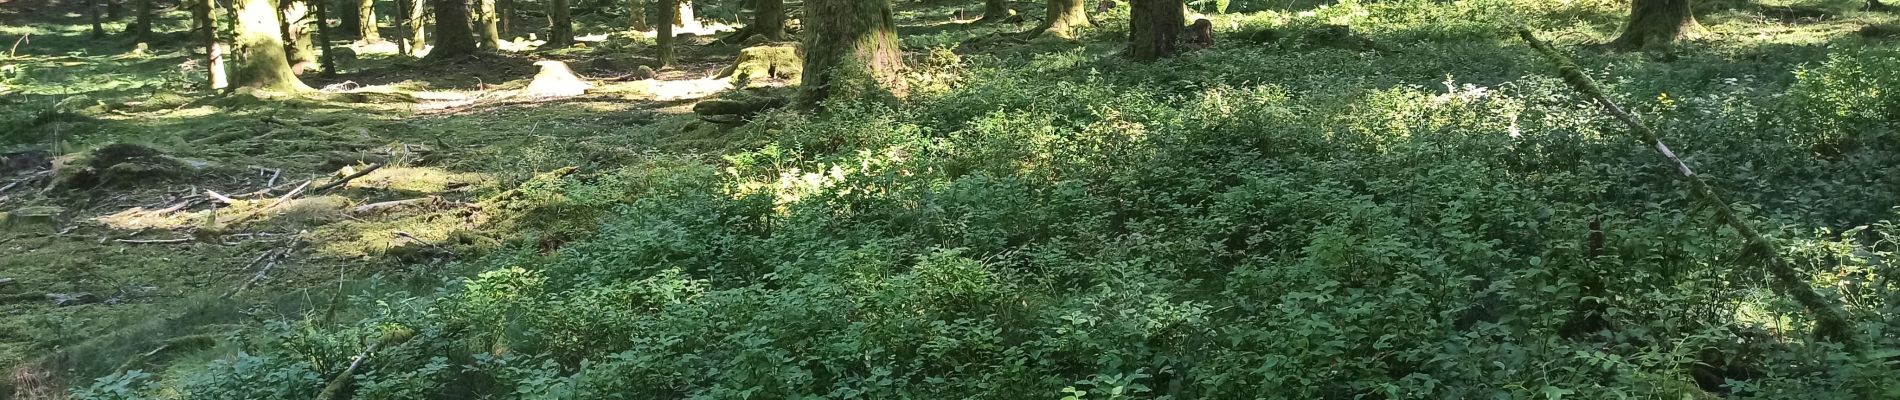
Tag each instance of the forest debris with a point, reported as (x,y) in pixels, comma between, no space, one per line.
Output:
(555,80)
(31,218)
(393,204)
(347,178)
(27,160)
(1830,322)
(221,198)
(117,163)
(72,299)
(270,258)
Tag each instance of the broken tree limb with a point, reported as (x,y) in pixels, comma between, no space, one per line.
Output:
(347,179)
(220,197)
(287,196)
(1830,321)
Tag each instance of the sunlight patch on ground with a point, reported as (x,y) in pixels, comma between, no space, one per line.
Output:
(688,89)
(429,180)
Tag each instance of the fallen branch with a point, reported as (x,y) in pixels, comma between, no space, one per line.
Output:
(287,196)
(29,178)
(153,241)
(1831,323)
(347,179)
(383,206)
(221,198)
(273,256)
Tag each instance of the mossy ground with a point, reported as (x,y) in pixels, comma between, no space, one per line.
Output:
(468,141)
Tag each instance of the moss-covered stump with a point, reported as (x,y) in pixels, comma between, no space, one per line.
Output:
(760,64)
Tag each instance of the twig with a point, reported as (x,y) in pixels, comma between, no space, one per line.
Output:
(11,52)
(153,241)
(287,196)
(221,198)
(1831,324)
(29,178)
(347,179)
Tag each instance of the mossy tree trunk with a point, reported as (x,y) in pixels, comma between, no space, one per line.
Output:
(663,33)
(141,29)
(995,10)
(261,61)
(204,11)
(299,44)
(637,15)
(1154,29)
(453,38)
(561,33)
(98,27)
(489,25)
(768,19)
(1063,18)
(1657,23)
(366,21)
(851,51)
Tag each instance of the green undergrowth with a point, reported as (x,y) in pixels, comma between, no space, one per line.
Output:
(1433,216)
(1358,199)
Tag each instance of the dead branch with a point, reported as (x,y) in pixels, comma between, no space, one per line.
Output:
(221,198)
(153,241)
(387,205)
(287,196)
(347,179)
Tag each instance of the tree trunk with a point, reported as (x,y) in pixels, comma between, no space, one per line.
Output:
(418,23)
(489,29)
(1154,29)
(452,37)
(323,38)
(98,28)
(561,33)
(1063,18)
(851,51)
(299,45)
(114,9)
(261,61)
(768,19)
(637,15)
(506,21)
(203,11)
(1656,23)
(995,10)
(663,33)
(351,22)
(366,30)
(141,29)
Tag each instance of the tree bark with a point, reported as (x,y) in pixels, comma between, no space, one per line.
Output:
(561,33)
(1063,18)
(114,9)
(323,38)
(366,30)
(205,12)
(489,29)
(261,64)
(452,36)
(851,51)
(637,15)
(768,19)
(1154,29)
(505,22)
(663,33)
(995,10)
(1656,23)
(98,28)
(299,44)
(351,22)
(418,23)
(141,29)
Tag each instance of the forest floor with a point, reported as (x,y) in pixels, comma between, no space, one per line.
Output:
(106,255)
